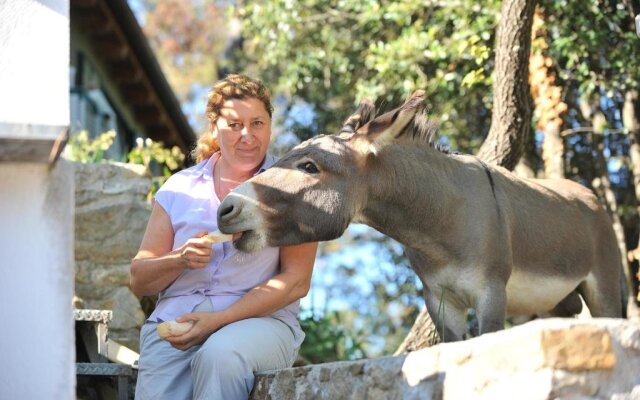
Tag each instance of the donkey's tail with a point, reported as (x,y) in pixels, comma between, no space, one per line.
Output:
(624,291)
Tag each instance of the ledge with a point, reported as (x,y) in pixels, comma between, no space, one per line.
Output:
(31,142)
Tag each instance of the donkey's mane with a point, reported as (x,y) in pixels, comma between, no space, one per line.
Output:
(421,129)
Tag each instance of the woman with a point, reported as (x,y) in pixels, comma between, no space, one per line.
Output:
(243,305)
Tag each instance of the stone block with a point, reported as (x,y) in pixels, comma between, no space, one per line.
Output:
(543,359)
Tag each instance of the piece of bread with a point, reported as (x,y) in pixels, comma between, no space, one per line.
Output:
(173,328)
(217,237)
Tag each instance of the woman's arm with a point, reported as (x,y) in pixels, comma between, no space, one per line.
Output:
(293,282)
(156,265)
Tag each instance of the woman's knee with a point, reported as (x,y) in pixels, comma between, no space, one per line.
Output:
(221,358)
(220,371)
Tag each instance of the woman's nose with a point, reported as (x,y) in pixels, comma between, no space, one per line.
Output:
(245,135)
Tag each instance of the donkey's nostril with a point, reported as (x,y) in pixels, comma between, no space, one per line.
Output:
(226,211)
(229,209)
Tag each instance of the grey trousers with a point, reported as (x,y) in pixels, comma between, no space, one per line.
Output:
(222,368)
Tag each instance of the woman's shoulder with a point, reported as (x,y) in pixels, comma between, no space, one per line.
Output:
(187,176)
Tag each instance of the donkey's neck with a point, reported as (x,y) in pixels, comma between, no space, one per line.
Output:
(411,192)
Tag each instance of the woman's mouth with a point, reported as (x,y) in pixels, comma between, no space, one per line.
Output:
(248,150)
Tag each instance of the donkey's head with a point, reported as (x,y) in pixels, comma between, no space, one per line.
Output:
(320,186)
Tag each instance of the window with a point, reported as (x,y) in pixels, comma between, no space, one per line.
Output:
(91,109)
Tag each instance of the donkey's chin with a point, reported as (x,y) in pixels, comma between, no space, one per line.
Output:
(250,241)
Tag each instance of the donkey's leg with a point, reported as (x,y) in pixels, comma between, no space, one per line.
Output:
(568,307)
(602,296)
(449,320)
(491,307)
(601,289)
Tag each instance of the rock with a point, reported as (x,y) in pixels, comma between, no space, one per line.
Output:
(542,359)
(111,217)
(111,211)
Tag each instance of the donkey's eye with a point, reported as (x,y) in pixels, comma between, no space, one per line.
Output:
(308,167)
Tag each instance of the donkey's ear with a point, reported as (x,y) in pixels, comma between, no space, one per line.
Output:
(364,113)
(389,126)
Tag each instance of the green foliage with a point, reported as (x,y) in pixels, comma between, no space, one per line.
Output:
(147,152)
(159,161)
(594,44)
(332,54)
(327,340)
(81,148)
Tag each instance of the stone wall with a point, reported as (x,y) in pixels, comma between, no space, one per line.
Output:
(111,216)
(543,359)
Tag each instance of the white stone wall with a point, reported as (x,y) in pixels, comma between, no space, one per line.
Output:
(37,351)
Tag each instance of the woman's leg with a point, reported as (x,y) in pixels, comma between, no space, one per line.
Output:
(163,371)
(224,365)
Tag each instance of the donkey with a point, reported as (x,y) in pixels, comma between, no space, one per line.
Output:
(476,235)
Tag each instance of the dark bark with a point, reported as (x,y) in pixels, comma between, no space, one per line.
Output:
(602,187)
(527,167)
(511,115)
(631,122)
(423,334)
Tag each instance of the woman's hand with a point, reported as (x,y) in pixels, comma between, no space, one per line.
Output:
(196,252)
(204,324)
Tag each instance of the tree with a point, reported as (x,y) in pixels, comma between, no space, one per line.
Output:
(188,38)
(331,55)
(511,117)
(549,108)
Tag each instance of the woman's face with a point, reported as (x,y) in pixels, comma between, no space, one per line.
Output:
(243,130)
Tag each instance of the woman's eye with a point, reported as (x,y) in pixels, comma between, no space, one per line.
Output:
(235,126)
(258,124)
(308,167)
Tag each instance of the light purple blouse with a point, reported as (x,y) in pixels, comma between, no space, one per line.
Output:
(189,199)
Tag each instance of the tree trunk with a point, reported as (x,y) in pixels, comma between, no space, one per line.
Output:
(423,334)
(553,152)
(511,114)
(547,98)
(631,122)
(527,166)
(602,187)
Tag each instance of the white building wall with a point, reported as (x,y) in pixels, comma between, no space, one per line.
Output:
(37,349)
